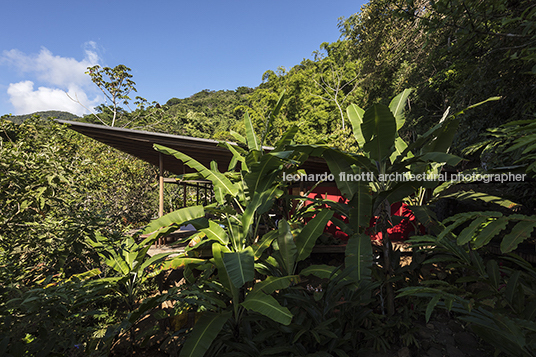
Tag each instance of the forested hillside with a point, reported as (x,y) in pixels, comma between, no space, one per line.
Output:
(46,114)
(453,56)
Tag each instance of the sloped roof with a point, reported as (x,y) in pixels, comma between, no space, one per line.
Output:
(139,143)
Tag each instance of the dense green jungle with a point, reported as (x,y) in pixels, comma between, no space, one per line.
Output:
(411,86)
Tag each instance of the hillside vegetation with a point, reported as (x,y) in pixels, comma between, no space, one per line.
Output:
(18,119)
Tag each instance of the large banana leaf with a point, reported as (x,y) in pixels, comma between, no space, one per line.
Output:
(85,275)
(218,179)
(256,178)
(360,205)
(320,271)
(287,247)
(444,137)
(238,137)
(260,203)
(426,217)
(217,259)
(358,256)
(306,239)
(263,243)
(237,156)
(268,306)
(309,150)
(262,185)
(240,266)
(379,131)
(170,222)
(436,156)
(215,232)
(155,259)
(343,226)
(217,253)
(398,191)
(115,261)
(355,114)
(175,263)
(175,218)
(400,150)
(363,162)
(253,141)
(129,252)
(438,138)
(273,283)
(490,99)
(398,106)
(205,331)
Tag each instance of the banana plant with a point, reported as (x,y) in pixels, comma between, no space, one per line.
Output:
(387,170)
(130,262)
(240,232)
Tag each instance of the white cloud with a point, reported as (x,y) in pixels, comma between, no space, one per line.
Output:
(25,99)
(59,75)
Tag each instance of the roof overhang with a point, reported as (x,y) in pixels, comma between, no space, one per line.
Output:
(139,143)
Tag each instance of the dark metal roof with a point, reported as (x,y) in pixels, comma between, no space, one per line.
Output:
(139,143)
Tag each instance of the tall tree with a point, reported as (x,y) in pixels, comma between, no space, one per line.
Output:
(116,85)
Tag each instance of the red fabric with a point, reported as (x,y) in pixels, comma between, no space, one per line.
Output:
(333,194)
(401,231)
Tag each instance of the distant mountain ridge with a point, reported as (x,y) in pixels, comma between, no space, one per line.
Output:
(44,114)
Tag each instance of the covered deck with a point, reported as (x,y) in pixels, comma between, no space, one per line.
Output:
(139,143)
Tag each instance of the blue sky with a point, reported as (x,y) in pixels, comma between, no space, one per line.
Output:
(174,48)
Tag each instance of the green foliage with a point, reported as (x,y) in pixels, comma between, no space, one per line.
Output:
(485,226)
(316,95)
(207,114)
(43,223)
(329,318)
(129,264)
(387,158)
(206,331)
(122,189)
(449,52)
(52,186)
(505,26)
(239,249)
(509,145)
(55,317)
(497,299)
(116,85)
(58,189)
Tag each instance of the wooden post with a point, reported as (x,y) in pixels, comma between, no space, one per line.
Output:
(161,184)
(161,193)
(185,193)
